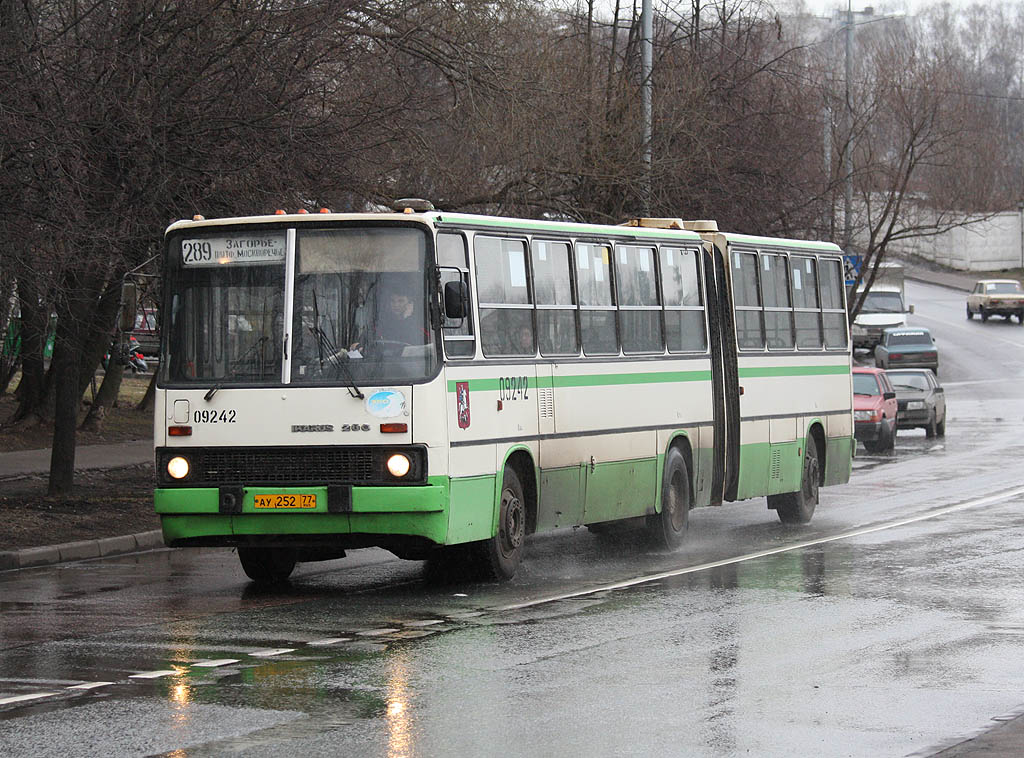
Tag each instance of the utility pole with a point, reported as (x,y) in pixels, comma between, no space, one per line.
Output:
(647,91)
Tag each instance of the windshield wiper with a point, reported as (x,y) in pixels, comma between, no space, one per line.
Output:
(333,354)
(336,358)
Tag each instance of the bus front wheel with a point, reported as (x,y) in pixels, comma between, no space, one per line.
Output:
(798,507)
(667,529)
(267,565)
(499,557)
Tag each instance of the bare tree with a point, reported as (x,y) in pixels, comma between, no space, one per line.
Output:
(924,146)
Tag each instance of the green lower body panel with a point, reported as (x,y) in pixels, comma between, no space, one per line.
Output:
(839,460)
(471,510)
(768,469)
(620,490)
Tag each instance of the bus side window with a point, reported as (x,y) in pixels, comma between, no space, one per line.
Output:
(833,314)
(745,291)
(506,312)
(804,279)
(684,306)
(597,310)
(778,312)
(459,341)
(639,310)
(556,306)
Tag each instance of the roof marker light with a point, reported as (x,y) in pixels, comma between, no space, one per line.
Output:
(302,210)
(199,217)
(279,212)
(325,210)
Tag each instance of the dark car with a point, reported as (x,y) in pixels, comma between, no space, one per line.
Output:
(874,409)
(921,399)
(907,347)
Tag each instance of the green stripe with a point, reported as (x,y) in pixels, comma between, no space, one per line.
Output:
(655,377)
(593,380)
(767,371)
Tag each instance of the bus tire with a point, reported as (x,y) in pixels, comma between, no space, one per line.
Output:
(498,558)
(798,507)
(667,529)
(267,565)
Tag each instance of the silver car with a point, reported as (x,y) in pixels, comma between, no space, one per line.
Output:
(921,400)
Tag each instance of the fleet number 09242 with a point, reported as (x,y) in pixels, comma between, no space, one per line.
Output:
(513,388)
(226,416)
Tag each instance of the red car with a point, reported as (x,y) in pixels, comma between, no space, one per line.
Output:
(874,409)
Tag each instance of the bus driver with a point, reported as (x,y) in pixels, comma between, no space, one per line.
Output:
(398,322)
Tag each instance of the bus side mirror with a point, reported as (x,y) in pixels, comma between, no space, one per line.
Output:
(129,305)
(456,300)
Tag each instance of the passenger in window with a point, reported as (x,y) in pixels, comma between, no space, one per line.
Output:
(522,342)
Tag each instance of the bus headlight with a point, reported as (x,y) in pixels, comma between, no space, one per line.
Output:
(399,465)
(178,467)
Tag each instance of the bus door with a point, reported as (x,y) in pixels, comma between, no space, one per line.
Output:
(724,374)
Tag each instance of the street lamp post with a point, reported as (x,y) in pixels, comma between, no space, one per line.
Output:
(647,90)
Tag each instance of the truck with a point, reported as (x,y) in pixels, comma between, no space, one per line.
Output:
(885,306)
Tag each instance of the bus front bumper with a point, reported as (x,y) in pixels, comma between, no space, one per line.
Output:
(366,515)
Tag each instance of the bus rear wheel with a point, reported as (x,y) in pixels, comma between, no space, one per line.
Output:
(267,565)
(498,558)
(798,507)
(667,530)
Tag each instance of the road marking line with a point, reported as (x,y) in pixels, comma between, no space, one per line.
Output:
(412,634)
(215,663)
(153,674)
(271,653)
(986,500)
(25,698)
(90,685)
(328,641)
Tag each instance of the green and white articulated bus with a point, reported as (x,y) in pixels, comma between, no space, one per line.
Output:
(443,385)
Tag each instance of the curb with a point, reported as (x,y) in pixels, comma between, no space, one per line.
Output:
(11,560)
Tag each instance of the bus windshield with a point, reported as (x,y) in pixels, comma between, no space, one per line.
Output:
(359,308)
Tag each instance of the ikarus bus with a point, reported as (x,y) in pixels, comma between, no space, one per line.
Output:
(443,385)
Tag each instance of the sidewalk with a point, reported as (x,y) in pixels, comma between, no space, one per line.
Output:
(24,463)
(957,280)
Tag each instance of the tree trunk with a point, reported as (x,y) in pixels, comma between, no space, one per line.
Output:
(65,416)
(110,387)
(146,403)
(97,338)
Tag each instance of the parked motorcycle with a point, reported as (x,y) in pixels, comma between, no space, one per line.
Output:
(129,354)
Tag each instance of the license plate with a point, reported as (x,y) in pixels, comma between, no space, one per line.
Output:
(289,501)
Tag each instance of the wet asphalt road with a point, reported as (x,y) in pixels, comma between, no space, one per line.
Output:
(892,625)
